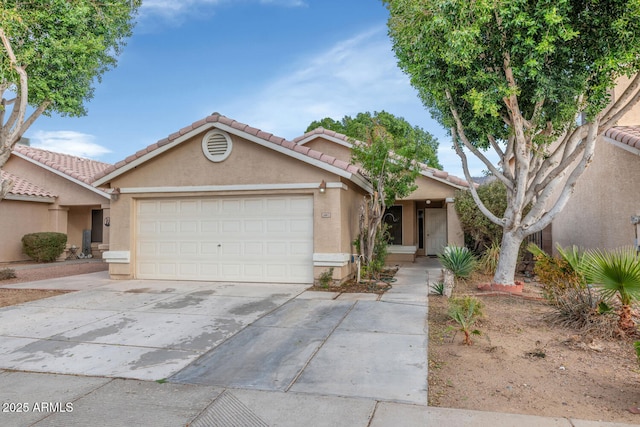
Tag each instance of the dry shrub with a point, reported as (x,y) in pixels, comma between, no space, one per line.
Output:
(584,310)
(7,273)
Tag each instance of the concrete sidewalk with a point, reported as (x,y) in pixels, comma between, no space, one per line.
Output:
(293,358)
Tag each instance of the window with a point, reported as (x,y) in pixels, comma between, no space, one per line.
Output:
(216,145)
(393,218)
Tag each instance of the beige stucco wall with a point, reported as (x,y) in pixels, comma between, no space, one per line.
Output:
(633,116)
(606,196)
(455,235)
(20,218)
(248,164)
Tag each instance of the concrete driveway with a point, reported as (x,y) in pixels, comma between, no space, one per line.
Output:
(270,337)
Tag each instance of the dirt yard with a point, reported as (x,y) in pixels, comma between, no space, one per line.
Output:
(522,364)
(33,272)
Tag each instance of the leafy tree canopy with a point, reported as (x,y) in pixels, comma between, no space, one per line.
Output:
(62,46)
(423,145)
(564,56)
(529,79)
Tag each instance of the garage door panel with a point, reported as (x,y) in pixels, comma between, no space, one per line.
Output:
(209,226)
(235,239)
(253,226)
(166,207)
(276,226)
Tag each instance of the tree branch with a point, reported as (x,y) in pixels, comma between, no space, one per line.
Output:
(16,119)
(472,148)
(611,111)
(472,188)
(563,198)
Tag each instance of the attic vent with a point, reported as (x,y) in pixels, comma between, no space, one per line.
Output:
(216,145)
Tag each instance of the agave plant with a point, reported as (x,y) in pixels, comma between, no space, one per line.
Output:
(616,273)
(459,260)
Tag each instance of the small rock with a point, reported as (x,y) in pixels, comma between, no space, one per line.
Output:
(562,368)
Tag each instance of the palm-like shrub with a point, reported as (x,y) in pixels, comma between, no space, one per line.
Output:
(465,312)
(616,273)
(459,260)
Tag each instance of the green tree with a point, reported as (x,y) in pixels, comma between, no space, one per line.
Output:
(530,80)
(53,51)
(403,133)
(390,152)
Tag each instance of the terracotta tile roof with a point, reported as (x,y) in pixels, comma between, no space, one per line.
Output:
(218,118)
(22,187)
(629,135)
(427,170)
(78,168)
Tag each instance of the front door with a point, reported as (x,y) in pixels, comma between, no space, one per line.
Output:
(436,230)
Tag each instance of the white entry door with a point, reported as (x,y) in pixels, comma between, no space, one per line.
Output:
(436,230)
(242,239)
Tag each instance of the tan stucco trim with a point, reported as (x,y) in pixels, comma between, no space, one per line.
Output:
(331,259)
(239,187)
(401,249)
(62,174)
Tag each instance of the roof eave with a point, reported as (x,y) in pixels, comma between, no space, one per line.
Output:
(27,198)
(622,145)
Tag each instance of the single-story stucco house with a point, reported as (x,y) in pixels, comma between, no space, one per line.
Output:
(220,200)
(604,210)
(52,192)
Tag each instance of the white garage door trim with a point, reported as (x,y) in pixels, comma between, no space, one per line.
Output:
(240,239)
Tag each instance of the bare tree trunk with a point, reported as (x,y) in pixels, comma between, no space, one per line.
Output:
(505,272)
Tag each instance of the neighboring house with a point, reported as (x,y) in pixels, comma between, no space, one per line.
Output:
(222,201)
(52,192)
(607,196)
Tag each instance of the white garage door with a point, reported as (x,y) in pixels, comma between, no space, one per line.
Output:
(249,239)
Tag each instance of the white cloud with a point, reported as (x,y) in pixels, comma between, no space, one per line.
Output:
(69,142)
(172,8)
(355,75)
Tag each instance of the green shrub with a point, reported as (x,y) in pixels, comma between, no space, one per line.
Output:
(7,273)
(326,278)
(489,260)
(556,275)
(45,246)
(437,288)
(459,260)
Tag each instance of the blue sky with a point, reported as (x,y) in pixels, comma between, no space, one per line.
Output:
(274,64)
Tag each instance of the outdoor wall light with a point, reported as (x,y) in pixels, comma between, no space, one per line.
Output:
(107,221)
(115,194)
(323,186)
(428,201)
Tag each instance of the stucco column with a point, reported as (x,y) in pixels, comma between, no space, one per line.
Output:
(455,235)
(106,219)
(58,219)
